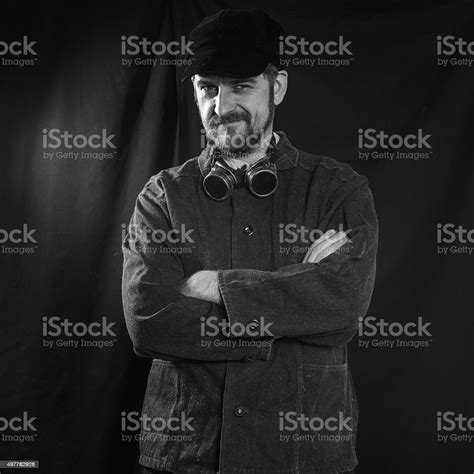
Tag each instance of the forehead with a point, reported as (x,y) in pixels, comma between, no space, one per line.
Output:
(225,80)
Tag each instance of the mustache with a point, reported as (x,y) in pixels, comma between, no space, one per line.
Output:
(215,120)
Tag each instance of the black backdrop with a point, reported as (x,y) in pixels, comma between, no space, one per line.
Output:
(71,269)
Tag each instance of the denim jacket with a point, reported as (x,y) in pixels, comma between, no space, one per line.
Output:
(260,384)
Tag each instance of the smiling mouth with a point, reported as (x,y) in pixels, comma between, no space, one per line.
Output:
(232,123)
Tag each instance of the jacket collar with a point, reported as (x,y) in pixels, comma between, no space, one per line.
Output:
(286,156)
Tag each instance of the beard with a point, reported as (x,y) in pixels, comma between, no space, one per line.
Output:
(234,135)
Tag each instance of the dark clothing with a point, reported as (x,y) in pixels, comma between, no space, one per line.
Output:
(145,470)
(279,402)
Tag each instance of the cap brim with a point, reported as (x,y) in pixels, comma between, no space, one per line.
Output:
(228,64)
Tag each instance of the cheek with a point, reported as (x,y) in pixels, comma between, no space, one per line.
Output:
(258,108)
(260,116)
(205,108)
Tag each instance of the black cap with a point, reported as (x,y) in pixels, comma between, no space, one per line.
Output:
(236,43)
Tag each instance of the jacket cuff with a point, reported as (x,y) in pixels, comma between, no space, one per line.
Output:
(243,321)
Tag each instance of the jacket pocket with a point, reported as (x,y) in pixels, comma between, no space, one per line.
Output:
(181,425)
(161,412)
(329,423)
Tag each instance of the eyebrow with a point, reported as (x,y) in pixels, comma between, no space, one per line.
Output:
(242,79)
(227,80)
(204,82)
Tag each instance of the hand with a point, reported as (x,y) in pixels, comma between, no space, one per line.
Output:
(327,244)
(202,285)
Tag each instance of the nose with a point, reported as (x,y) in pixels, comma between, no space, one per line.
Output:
(224,102)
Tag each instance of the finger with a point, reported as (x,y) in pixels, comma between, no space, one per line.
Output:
(316,258)
(328,242)
(325,236)
(321,239)
(316,243)
(330,247)
(328,251)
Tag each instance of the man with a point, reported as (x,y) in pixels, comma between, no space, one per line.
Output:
(245,272)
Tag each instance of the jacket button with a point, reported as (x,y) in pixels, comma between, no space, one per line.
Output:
(239,411)
(254,325)
(248,230)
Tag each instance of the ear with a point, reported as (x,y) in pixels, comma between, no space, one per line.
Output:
(280,86)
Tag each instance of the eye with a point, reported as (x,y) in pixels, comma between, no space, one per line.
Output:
(242,87)
(208,88)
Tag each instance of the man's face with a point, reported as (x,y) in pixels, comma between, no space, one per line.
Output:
(236,113)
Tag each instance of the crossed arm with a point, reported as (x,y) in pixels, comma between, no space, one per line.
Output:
(204,284)
(318,300)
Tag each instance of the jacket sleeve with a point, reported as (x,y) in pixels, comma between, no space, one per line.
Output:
(161,322)
(315,303)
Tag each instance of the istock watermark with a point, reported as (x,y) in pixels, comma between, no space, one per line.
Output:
(454,51)
(454,427)
(460,238)
(217,332)
(298,51)
(378,333)
(245,145)
(65,145)
(18,241)
(385,146)
(170,241)
(141,427)
(18,429)
(64,333)
(141,51)
(212,326)
(294,426)
(303,237)
(18,53)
